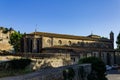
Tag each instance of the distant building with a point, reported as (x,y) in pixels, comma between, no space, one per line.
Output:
(76,46)
(4,38)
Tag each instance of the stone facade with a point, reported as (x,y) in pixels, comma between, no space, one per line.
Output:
(53,61)
(76,46)
(117,57)
(4,40)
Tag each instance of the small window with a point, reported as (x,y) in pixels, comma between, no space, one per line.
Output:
(82,44)
(49,41)
(69,42)
(1,39)
(73,59)
(7,37)
(59,42)
(78,42)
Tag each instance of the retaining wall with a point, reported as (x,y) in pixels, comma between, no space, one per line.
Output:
(53,74)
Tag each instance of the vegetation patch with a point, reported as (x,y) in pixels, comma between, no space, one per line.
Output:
(68,73)
(15,67)
(15,40)
(98,68)
(18,64)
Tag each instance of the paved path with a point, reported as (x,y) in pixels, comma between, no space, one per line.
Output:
(113,75)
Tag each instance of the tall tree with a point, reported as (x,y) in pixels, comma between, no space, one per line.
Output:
(15,40)
(118,41)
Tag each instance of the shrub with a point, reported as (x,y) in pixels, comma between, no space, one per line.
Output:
(98,68)
(15,67)
(18,64)
(68,73)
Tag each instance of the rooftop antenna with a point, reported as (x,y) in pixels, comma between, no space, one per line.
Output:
(91,32)
(36,28)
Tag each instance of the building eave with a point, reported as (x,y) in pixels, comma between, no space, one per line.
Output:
(45,34)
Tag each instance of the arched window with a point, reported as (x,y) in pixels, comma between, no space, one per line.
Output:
(38,45)
(82,44)
(31,45)
(59,42)
(49,41)
(86,44)
(69,42)
(78,42)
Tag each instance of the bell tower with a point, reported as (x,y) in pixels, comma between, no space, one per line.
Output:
(112,38)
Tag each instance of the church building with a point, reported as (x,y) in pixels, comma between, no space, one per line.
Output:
(76,46)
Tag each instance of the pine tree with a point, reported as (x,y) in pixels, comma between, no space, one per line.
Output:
(118,41)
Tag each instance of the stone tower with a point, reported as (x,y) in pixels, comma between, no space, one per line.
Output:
(112,38)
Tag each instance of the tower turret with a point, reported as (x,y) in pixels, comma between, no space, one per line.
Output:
(112,38)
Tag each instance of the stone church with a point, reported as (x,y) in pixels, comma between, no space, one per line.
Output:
(77,46)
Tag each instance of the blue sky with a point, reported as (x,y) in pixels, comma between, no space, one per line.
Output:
(76,17)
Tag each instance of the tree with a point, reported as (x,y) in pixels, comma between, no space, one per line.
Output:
(15,40)
(5,30)
(118,41)
(98,68)
(11,29)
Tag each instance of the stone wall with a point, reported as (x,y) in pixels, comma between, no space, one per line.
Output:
(57,61)
(53,74)
(117,57)
(42,60)
(4,41)
(48,41)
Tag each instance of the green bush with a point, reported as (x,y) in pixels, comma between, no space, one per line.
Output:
(15,67)
(68,73)
(98,68)
(17,64)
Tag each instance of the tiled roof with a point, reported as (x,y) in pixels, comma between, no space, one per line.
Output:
(67,36)
(79,49)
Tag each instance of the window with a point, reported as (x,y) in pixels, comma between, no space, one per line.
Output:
(73,59)
(78,42)
(59,42)
(7,37)
(86,44)
(82,44)
(49,41)
(69,42)
(1,39)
